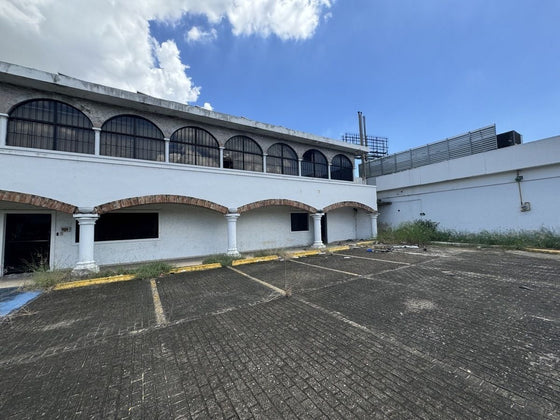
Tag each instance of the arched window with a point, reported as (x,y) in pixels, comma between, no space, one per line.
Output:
(241,152)
(194,146)
(314,164)
(51,125)
(281,159)
(341,168)
(134,137)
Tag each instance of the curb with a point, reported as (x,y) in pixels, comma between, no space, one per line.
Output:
(93,282)
(200,267)
(544,250)
(255,260)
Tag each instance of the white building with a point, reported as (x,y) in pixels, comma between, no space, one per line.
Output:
(91,175)
(508,188)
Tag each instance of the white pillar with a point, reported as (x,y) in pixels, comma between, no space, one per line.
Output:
(86,262)
(317,240)
(3,129)
(97,132)
(166,149)
(264,162)
(329,170)
(299,166)
(232,233)
(373,217)
(2,236)
(222,157)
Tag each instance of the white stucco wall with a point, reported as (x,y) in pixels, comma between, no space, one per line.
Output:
(479,192)
(88,181)
(270,228)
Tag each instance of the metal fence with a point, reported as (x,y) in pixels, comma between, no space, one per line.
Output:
(470,143)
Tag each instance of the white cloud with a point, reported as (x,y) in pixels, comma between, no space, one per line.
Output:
(195,34)
(208,106)
(109,41)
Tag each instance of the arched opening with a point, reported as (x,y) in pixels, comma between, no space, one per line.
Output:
(51,125)
(314,164)
(194,146)
(281,159)
(243,153)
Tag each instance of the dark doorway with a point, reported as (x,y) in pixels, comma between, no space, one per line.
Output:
(324,236)
(28,240)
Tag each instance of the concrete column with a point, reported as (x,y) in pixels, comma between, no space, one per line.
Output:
(86,261)
(373,217)
(299,166)
(317,240)
(329,170)
(222,157)
(2,237)
(97,132)
(264,162)
(232,233)
(166,149)
(3,129)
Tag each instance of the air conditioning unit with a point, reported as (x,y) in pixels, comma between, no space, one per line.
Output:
(509,138)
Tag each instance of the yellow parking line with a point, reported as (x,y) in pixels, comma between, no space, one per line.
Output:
(158,308)
(270,286)
(254,260)
(93,282)
(199,267)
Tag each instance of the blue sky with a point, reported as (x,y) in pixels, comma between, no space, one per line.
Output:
(419,70)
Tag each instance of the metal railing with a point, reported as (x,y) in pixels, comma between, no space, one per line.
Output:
(478,141)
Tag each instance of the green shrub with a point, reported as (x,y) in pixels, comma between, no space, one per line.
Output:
(152,270)
(419,232)
(223,259)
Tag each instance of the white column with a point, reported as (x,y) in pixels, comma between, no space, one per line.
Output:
(329,170)
(2,235)
(317,240)
(166,149)
(86,261)
(232,233)
(3,129)
(373,217)
(222,157)
(97,132)
(264,162)
(299,167)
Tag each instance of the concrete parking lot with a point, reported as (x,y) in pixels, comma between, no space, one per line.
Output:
(442,333)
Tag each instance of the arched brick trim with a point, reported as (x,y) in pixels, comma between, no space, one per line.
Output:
(36,200)
(354,204)
(276,202)
(160,199)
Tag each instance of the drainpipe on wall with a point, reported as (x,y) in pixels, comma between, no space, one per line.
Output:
(525,206)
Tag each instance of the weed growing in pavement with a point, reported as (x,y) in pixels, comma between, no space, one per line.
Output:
(45,279)
(151,270)
(421,232)
(223,259)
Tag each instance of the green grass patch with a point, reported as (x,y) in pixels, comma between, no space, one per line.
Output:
(152,270)
(421,232)
(223,259)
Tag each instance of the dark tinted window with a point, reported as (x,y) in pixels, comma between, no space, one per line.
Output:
(342,169)
(281,159)
(124,226)
(194,146)
(51,125)
(314,164)
(134,137)
(300,222)
(243,153)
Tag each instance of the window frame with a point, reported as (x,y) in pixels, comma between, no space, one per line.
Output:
(101,237)
(193,148)
(21,130)
(244,163)
(338,170)
(136,139)
(311,168)
(284,166)
(301,225)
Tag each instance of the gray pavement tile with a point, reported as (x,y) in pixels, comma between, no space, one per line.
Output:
(63,320)
(192,295)
(446,338)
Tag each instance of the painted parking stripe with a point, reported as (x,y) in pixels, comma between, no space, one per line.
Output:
(158,308)
(374,259)
(270,286)
(326,268)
